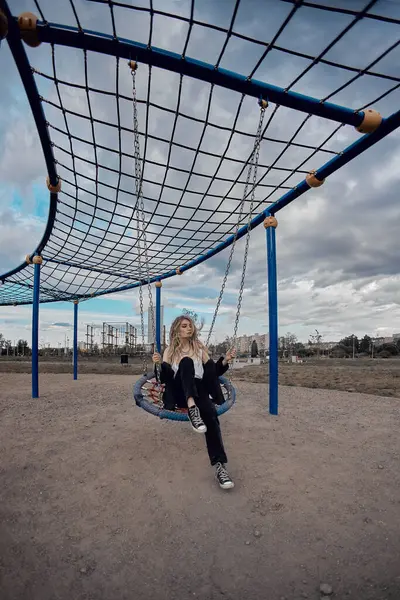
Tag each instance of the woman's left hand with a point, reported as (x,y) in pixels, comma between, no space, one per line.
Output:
(231,354)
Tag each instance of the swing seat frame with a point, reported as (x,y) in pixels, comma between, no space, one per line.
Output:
(146,398)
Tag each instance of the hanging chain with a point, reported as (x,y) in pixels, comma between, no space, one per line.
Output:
(253,163)
(137,190)
(140,217)
(256,155)
(254,167)
(141,226)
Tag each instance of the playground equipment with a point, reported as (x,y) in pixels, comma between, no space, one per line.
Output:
(157,160)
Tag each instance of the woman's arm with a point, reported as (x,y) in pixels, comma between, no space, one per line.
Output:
(220,366)
(205,357)
(166,358)
(229,356)
(167,372)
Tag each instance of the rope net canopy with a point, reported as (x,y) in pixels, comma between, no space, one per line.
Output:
(195,135)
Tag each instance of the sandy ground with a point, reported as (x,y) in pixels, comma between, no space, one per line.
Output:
(101,501)
(380,377)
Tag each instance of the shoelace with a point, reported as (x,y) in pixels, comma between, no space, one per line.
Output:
(222,474)
(195,417)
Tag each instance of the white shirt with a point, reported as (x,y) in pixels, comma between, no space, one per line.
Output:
(198,366)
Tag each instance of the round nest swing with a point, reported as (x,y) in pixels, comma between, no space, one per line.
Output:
(147,393)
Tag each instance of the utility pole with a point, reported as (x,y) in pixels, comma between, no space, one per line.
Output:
(353,347)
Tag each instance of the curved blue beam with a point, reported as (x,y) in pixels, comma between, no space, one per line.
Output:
(106,44)
(25,71)
(366,141)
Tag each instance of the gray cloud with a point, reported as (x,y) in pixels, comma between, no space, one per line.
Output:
(333,242)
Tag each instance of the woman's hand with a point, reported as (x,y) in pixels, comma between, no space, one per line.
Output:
(205,357)
(229,356)
(157,358)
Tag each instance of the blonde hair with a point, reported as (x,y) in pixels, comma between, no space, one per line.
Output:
(175,344)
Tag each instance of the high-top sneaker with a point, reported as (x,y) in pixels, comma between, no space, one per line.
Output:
(196,420)
(225,482)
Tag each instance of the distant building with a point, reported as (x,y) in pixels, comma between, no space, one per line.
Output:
(378,341)
(244,342)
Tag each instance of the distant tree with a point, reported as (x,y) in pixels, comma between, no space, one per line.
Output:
(290,343)
(254,349)
(22,347)
(222,347)
(348,342)
(315,342)
(365,344)
(391,348)
(299,349)
(6,346)
(339,351)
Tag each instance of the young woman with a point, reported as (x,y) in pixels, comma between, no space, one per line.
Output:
(190,378)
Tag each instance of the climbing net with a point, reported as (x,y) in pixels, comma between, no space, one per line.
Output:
(195,136)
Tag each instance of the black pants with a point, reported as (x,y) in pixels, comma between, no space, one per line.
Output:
(183,386)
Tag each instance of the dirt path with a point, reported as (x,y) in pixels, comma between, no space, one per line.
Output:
(101,501)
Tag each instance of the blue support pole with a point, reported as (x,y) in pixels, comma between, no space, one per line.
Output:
(273,319)
(35,331)
(158,315)
(75,339)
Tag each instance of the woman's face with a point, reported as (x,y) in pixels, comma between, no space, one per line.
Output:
(185,329)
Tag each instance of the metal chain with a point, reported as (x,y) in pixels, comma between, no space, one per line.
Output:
(253,163)
(256,156)
(140,218)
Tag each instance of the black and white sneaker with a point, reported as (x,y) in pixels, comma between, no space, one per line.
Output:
(225,482)
(196,420)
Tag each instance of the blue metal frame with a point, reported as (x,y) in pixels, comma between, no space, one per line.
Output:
(364,143)
(75,350)
(273,320)
(63,35)
(21,60)
(106,44)
(102,43)
(158,318)
(388,125)
(35,332)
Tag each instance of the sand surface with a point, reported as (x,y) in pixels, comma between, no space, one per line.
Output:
(101,501)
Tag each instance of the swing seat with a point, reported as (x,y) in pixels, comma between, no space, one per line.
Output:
(147,393)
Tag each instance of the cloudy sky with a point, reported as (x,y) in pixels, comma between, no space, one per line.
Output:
(337,245)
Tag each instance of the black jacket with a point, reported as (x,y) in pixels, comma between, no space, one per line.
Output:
(167,372)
